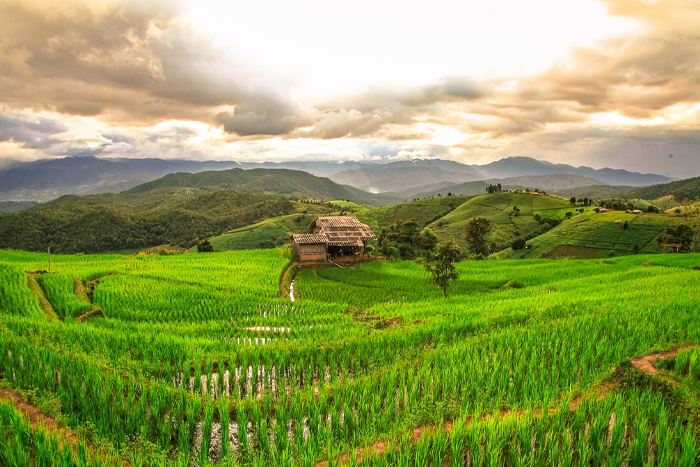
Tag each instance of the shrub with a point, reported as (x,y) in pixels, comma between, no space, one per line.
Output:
(204,246)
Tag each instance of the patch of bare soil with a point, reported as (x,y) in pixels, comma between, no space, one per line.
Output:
(645,364)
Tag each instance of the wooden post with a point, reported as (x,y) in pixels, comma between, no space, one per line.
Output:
(49,250)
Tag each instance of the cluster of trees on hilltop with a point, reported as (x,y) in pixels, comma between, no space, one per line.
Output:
(73,224)
(407,240)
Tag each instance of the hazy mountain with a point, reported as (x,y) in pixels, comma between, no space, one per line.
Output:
(12,206)
(547,182)
(543,182)
(400,176)
(294,183)
(318,168)
(48,179)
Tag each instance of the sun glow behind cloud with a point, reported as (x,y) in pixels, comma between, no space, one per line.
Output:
(327,48)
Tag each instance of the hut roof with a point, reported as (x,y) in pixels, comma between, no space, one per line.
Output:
(344,230)
(309,238)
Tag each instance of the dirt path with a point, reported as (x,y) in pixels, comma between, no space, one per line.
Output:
(643,364)
(37,418)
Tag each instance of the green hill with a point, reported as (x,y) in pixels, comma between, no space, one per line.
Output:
(269,233)
(594,235)
(507,224)
(112,222)
(291,183)
(424,211)
(680,190)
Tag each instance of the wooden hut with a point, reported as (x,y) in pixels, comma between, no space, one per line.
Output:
(310,247)
(333,236)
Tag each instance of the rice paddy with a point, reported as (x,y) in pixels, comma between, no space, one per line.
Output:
(195,359)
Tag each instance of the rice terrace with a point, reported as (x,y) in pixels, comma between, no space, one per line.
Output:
(197,359)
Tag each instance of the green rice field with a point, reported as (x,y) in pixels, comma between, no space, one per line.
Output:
(203,359)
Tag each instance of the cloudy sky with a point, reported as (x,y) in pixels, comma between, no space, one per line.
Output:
(600,83)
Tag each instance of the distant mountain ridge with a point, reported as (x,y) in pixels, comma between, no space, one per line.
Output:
(397,176)
(45,180)
(48,179)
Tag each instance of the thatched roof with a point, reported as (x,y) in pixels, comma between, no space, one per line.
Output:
(344,230)
(301,239)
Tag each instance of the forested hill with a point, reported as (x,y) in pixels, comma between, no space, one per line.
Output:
(110,222)
(680,189)
(285,182)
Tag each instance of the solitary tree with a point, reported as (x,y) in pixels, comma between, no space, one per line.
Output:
(444,269)
(572,200)
(476,231)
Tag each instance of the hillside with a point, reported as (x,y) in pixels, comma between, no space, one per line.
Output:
(680,190)
(592,191)
(112,222)
(292,183)
(270,233)
(424,211)
(594,235)
(45,180)
(507,225)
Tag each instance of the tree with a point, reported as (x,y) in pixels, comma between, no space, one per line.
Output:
(205,246)
(682,234)
(572,200)
(408,238)
(476,231)
(444,270)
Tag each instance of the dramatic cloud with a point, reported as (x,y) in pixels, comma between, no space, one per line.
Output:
(597,83)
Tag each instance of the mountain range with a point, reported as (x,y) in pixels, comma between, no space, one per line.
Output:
(368,182)
(420,174)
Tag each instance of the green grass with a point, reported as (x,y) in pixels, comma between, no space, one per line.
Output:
(601,232)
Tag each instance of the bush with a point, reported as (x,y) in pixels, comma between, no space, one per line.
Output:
(204,246)
(518,244)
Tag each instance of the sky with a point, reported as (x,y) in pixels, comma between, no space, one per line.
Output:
(612,83)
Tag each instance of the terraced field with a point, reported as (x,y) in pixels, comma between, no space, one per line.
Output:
(507,224)
(597,234)
(196,360)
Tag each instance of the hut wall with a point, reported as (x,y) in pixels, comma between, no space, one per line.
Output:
(311,251)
